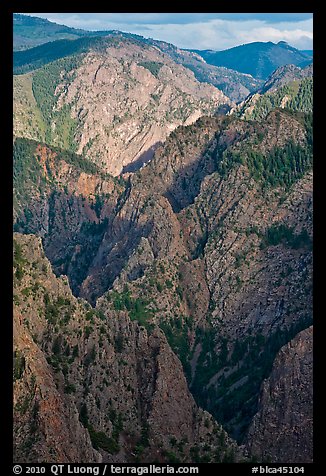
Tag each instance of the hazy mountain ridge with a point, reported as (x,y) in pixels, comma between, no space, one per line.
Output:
(30,31)
(259,59)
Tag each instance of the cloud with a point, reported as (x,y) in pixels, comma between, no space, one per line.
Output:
(199,30)
(222,34)
(169,18)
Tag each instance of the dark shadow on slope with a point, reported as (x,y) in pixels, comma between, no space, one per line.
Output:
(143,159)
(119,241)
(233,399)
(223,109)
(78,245)
(186,184)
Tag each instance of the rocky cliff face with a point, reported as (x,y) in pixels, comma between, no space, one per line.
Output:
(64,199)
(255,290)
(46,424)
(235,85)
(282,429)
(94,385)
(144,96)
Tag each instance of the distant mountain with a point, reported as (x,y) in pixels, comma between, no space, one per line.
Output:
(308,52)
(259,59)
(33,31)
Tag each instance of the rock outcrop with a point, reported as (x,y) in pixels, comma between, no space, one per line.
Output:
(92,384)
(282,429)
(289,87)
(284,75)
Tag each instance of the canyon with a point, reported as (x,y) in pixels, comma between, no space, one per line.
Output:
(162,260)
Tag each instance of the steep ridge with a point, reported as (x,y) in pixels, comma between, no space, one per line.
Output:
(93,385)
(114,99)
(237,86)
(276,433)
(284,75)
(66,200)
(218,357)
(288,87)
(30,31)
(28,120)
(245,250)
(212,242)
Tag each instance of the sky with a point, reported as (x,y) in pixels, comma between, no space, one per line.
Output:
(217,31)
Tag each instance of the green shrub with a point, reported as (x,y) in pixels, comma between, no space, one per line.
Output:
(176,332)
(56,346)
(137,307)
(19,365)
(152,66)
(70,388)
(280,233)
(169,284)
(281,166)
(119,343)
(101,440)
(18,260)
